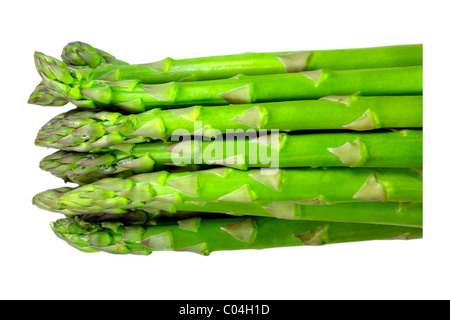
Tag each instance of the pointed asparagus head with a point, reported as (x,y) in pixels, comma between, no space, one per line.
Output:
(82,54)
(53,69)
(79,234)
(83,168)
(91,130)
(75,226)
(49,200)
(43,96)
(56,165)
(81,131)
(91,237)
(57,76)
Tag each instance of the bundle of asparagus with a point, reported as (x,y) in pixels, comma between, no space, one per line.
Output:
(245,151)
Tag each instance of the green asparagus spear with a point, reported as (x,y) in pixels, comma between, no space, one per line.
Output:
(220,67)
(134,96)
(204,236)
(305,185)
(395,213)
(76,54)
(81,131)
(401,149)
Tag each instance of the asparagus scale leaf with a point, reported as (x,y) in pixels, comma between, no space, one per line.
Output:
(203,236)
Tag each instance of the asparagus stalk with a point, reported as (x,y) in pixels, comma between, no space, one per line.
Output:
(204,236)
(305,185)
(220,67)
(401,149)
(134,96)
(92,130)
(78,54)
(394,213)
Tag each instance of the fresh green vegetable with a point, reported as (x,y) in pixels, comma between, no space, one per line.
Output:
(101,64)
(395,213)
(82,130)
(304,185)
(245,151)
(401,149)
(204,236)
(134,96)
(221,67)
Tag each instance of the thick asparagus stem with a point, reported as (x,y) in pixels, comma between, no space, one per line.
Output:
(306,185)
(220,67)
(401,149)
(204,236)
(395,213)
(92,130)
(133,96)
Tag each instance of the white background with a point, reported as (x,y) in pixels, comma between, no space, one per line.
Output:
(34,264)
